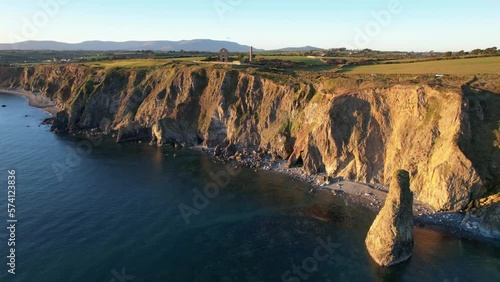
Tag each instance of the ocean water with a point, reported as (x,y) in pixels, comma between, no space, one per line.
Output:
(101,211)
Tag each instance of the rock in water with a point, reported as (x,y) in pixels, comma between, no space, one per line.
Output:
(390,239)
(60,123)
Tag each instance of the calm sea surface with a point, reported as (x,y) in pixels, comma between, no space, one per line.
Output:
(100,211)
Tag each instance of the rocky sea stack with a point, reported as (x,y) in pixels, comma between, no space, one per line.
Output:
(390,239)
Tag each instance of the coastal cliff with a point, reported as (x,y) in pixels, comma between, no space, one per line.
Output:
(445,133)
(390,238)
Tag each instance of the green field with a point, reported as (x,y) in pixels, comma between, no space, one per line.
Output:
(297,59)
(139,63)
(458,66)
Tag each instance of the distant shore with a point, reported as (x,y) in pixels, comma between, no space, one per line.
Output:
(36,99)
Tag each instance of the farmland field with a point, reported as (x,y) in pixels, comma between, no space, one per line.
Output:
(298,59)
(459,66)
(139,63)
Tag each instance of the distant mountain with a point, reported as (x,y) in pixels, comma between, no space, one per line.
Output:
(161,45)
(297,49)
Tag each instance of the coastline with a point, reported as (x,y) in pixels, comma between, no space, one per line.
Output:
(367,195)
(35,99)
(373,197)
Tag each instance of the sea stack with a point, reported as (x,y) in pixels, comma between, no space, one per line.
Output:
(390,239)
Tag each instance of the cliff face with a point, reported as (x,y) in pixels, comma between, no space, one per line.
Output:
(359,129)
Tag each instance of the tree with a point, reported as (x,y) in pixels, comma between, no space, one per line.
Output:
(211,58)
(491,51)
(476,52)
(461,53)
(448,54)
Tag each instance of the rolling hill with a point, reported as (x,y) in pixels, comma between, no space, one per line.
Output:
(160,45)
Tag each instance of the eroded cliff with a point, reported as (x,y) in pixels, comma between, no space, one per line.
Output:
(445,133)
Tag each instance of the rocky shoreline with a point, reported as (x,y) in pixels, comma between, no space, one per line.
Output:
(35,99)
(371,196)
(463,225)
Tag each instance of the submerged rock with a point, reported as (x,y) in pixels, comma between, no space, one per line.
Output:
(4,106)
(390,239)
(48,121)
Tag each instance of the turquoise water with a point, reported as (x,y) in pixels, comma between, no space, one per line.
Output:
(100,211)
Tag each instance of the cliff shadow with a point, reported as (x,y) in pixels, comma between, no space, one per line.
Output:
(357,136)
(483,147)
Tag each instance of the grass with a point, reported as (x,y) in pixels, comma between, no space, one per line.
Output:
(309,61)
(348,58)
(139,63)
(297,59)
(460,66)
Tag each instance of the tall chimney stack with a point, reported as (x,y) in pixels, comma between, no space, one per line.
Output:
(251,54)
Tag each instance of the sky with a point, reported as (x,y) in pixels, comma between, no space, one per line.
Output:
(406,25)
